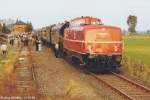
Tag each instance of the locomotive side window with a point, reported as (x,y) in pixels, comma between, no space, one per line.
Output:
(96,22)
(78,22)
(78,35)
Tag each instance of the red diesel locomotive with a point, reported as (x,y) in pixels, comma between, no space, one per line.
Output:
(88,42)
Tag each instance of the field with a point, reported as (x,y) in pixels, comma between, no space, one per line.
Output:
(137,48)
(136,59)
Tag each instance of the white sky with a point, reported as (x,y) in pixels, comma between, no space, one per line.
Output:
(46,12)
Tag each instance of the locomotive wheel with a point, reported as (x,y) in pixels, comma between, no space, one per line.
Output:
(75,61)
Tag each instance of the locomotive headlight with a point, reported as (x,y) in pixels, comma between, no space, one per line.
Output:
(115,48)
(90,48)
(118,58)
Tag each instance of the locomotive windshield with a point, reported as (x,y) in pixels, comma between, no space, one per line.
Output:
(96,35)
(103,35)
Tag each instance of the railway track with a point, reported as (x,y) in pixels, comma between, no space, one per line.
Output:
(125,88)
(41,88)
(25,76)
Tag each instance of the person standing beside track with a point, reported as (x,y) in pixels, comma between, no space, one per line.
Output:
(56,50)
(12,40)
(4,49)
(26,41)
(36,43)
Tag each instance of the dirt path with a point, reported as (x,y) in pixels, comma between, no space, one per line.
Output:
(59,81)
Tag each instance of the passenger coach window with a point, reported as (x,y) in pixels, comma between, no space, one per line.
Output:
(78,35)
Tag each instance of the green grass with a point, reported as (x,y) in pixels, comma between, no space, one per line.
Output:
(137,48)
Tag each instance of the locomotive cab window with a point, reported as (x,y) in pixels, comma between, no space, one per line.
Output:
(96,22)
(78,35)
(78,22)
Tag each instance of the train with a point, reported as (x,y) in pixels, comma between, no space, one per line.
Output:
(88,42)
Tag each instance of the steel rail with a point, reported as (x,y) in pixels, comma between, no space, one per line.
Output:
(127,97)
(117,90)
(132,82)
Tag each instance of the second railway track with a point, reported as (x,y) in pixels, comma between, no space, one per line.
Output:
(127,89)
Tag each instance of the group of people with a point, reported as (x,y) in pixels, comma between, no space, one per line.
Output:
(25,40)
(21,40)
(38,44)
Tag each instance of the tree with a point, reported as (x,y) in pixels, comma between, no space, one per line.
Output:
(132,22)
(5,29)
(29,27)
(0,27)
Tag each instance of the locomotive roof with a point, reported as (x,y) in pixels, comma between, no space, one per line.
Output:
(85,21)
(85,17)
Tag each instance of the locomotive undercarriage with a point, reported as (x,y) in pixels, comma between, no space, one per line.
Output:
(102,63)
(96,63)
